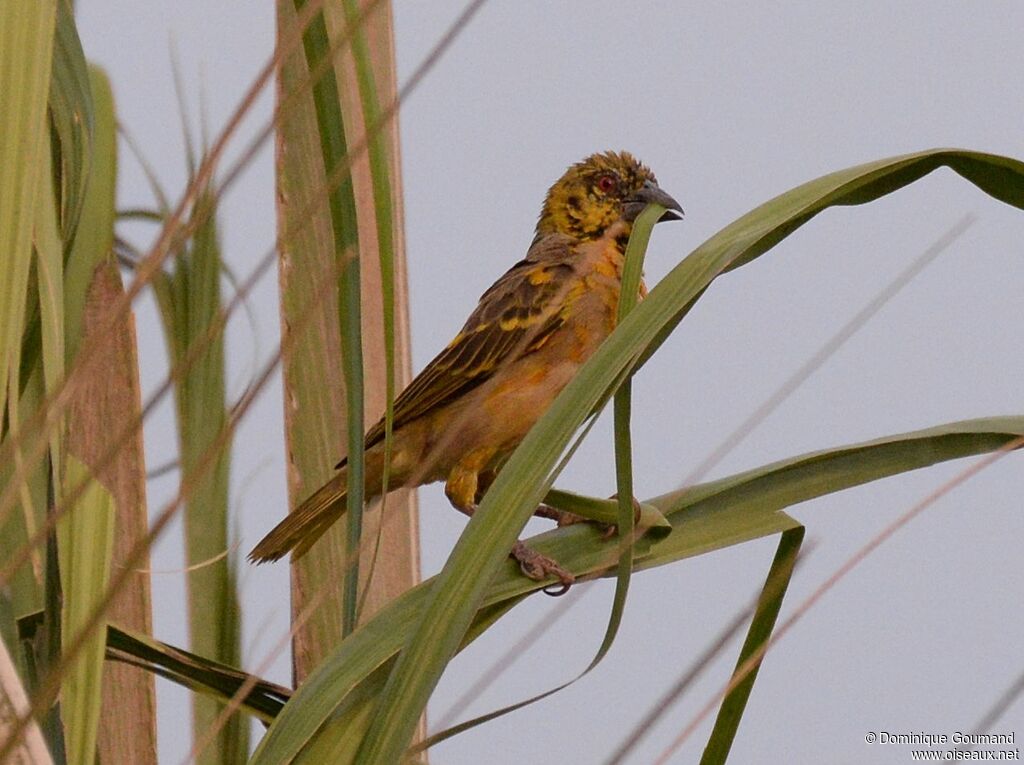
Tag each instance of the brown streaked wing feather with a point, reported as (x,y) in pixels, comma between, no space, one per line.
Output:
(525,299)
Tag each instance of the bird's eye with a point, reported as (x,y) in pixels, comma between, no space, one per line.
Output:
(607,183)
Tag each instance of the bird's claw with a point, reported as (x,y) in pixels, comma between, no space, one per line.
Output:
(539,567)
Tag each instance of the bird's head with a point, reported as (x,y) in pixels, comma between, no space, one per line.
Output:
(599,192)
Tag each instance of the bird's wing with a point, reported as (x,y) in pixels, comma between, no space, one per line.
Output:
(515,317)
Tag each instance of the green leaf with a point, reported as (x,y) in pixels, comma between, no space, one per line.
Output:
(211,678)
(632,272)
(761,626)
(705,518)
(606,511)
(313,381)
(71,111)
(187,669)
(26,46)
(342,207)
(624,508)
(459,591)
(85,540)
(383,193)
(757,493)
(190,308)
(49,270)
(95,240)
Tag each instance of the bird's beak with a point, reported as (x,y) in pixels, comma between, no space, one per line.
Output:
(651,193)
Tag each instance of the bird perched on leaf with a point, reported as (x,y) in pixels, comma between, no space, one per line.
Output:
(464,414)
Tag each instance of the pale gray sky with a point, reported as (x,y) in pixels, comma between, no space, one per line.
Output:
(729,103)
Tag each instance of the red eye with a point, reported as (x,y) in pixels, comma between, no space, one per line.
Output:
(607,183)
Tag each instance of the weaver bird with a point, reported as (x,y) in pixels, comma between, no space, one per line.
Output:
(464,414)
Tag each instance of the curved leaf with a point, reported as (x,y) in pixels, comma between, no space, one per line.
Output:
(782,484)
(462,584)
(26,45)
(705,518)
(85,540)
(71,114)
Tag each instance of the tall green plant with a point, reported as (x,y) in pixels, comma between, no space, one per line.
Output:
(67,158)
(190,308)
(340,228)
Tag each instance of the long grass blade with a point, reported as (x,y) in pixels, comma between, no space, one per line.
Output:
(71,112)
(344,225)
(85,540)
(49,273)
(314,384)
(695,667)
(51,646)
(320,420)
(761,626)
(391,564)
(95,241)
(216,680)
(785,483)
(26,44)
(190,305)
(139,650)
(625,511)
(79,724)
(632,272)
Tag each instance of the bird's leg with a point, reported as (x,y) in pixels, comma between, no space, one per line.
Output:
(567,518)
(464,488)
(562,517)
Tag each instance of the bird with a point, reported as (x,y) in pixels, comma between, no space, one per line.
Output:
(465,413)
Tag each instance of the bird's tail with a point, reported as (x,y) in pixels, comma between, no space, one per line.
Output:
(305,524)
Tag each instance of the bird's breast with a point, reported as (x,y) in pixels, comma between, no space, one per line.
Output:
(601,272)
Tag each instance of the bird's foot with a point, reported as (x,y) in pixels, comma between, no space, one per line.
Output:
(539,567)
